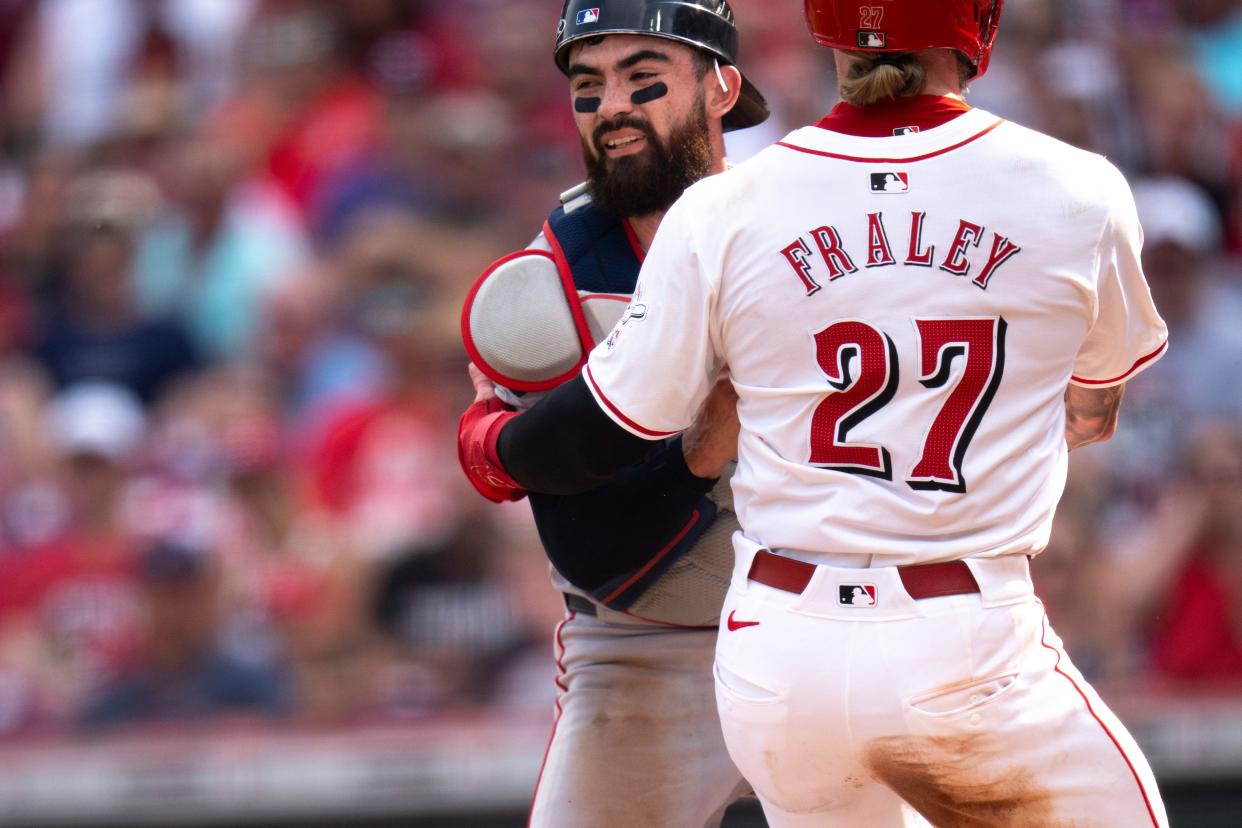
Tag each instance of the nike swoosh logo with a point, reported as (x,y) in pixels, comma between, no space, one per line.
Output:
(734,626)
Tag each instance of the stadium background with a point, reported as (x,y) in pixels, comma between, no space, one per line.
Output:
(241,579)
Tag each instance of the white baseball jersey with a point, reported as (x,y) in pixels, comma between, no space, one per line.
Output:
(901,316)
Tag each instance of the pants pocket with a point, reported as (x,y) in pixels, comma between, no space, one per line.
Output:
(753,719)
(963,696)
(733,686)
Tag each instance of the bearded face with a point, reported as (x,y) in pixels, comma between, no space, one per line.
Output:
(651,180)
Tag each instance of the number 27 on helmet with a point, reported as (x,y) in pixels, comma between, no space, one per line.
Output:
(966,26)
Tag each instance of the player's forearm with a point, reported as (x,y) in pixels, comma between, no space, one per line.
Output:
(710,444)
(566,445)
(1091,414)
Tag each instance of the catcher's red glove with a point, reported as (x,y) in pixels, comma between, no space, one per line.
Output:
(477,433)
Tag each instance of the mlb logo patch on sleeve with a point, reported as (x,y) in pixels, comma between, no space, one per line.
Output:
(587,16)
(890,182)
(856,595)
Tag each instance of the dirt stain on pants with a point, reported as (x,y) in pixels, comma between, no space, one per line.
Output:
(954,784)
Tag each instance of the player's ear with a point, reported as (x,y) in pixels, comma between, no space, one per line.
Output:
(719,98)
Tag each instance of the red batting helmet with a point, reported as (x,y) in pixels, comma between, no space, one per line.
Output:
(968,26)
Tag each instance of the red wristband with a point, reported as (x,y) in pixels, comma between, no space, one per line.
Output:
(477,433)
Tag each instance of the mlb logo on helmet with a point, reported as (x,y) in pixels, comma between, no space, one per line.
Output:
(890,182)
(587,16)
(856,595)
(871,40)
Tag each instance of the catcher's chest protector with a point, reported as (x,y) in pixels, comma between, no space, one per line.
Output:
(603,258)
(600,252)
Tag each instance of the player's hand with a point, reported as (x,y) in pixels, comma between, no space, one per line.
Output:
(483,387)
(477,434)
(711,443)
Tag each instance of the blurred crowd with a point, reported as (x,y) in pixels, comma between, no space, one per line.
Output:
(234,239)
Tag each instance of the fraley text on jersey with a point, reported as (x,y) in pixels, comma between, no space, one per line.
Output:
(820,251)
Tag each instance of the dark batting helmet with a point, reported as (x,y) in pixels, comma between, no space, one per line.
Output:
(967,26)
(705,24)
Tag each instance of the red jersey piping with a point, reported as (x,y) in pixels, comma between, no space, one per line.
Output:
(911,159)
(1137,365)
(646,432)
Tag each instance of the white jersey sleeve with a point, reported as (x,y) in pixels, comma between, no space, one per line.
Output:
(1127,334)
(658,364)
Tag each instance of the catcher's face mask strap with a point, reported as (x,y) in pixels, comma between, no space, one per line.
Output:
(720,76)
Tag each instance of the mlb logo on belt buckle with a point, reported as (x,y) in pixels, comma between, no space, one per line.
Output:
(856,595)
(587,16)
(890,182)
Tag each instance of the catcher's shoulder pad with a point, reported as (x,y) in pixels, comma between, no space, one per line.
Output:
(523,325)
(532,317)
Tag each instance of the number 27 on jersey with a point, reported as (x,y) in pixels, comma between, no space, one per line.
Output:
(979,341)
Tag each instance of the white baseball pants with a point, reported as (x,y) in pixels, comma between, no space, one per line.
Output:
(962,708)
